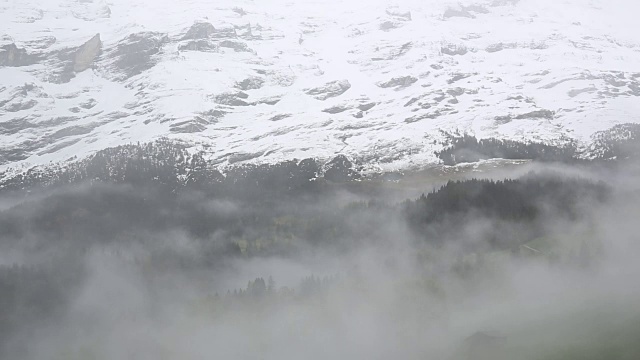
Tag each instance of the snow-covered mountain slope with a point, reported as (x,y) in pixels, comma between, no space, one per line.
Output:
(265,81)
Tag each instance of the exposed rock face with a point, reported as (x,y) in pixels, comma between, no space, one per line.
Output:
(330,90)
(199,31)
(135,53)
(250,83)
(366,107)
(87,53)
(237,46)
(336,109)
(399,82)
(389,25)
(453,50)
(11,55)
(199,45)
(244,31)
(231,99)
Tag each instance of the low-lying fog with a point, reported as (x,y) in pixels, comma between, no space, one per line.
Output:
(137,289)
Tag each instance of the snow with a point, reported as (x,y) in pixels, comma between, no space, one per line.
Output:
(575,58)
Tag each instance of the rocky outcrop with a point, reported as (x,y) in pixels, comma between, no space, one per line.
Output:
(87,53)
(136,54)
(199,123)
(538,114)
(11,55)
(395,53)
(199,31)
(244,31)
(398,82)
(330,90)
(250,83)
(195,125)
(336,109)
(366,106)
(389,25)
(237,46)
(232,99)
(452,49)
(202,45)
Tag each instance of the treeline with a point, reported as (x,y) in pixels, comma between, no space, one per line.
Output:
(226,228)
(514,207)
(467,149)
(171,166)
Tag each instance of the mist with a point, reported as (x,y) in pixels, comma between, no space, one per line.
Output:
(151,287)
(313,179)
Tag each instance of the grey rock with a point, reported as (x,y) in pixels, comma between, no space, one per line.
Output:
(453,50)
(395,53)
(198,31)
(71,131)
(456,91)
(330,90)
(197,124)
(237,46)
(501,120)
(14,126)
(89,104)
(538,114)
(244,31)
(239,157)
(268,101)
(232,99)
(135,54)
(19,106)
(366,107)
(11,55)
(451,13)
(40,44)
(279,117)
(240,11)
(495,47)
(417,118)
(398,82)
(225,33)
(87,53)
(457,77)
(389,25)
(336,109)
(250,83)
(199,45)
